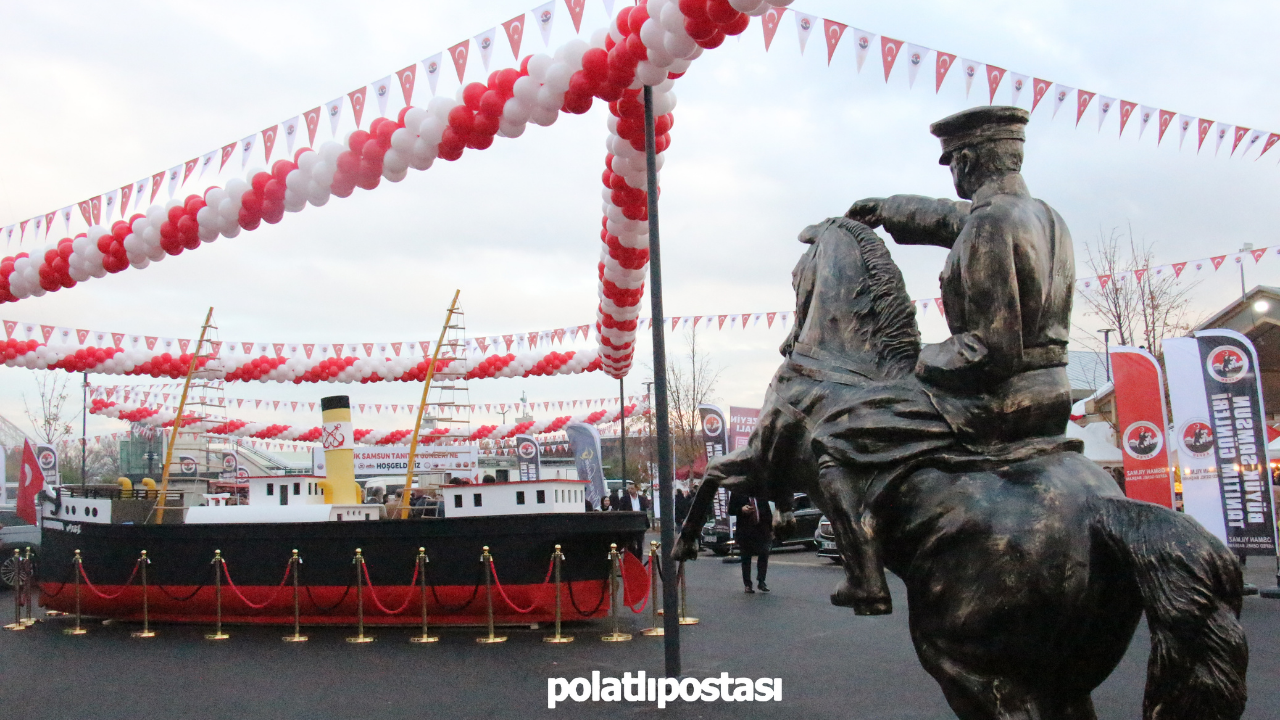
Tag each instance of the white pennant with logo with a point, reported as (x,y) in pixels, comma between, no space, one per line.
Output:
(290,129)
(333,109)
(1060,95)
(545,15)
(915,59)
(484,41)
(804,26)
(382,90)
(971,70)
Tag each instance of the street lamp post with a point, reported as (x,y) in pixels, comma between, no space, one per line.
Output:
(1106,343)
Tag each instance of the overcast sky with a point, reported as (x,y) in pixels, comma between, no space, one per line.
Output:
(98,95)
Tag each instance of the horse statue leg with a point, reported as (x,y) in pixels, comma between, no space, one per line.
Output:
(864,588)
(731,472)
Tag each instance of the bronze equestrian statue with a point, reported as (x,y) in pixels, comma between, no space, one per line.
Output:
(1026,568)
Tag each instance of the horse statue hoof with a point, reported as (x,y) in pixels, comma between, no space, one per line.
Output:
(845,596)
(685,550)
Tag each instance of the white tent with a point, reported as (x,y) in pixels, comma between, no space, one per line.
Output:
(1099,443)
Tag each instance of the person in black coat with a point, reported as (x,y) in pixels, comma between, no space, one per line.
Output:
(753,535)
(683,503)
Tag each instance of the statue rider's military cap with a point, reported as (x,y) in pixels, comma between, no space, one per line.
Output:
(978,125)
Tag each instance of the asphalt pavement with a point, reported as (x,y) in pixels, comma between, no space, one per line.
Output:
(832,664)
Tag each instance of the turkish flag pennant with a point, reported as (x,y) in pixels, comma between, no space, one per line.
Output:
(1217,261)
(1083,97)
(1126,110)
(47,331)
(227,150)
(406,77)
(575,11)
(9,327)
(769,23)
(515,33)
(889,54)
(307,348)
(357,102)
(95,209)
(942,65)
(188,167)
(834,31)
(279,348)
(151,342)
(395,347)
(1203,132)
(368,349)
(48,219)
(118,340)
(584,329)
(1178,268)
(1103,280)
(155,185)
(1240,133)
(30,483)
(1257,258)
(1166,119)
(994,76)
(85,210)
(1139,274)
(312,119)
(1271,140)
(246,347)
(769,318)
(126,193)
(184,344)
(459,54)
(269,141)
(1039,88)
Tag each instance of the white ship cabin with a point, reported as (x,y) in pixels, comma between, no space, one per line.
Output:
(281,498)
(515,498)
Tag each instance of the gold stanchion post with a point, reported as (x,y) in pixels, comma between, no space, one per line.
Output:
(294,563)
(218,567)
(146,631)
(656,629)
(614,558)
(360,636)
(557,557)
(29,576)
(17,623)
(425,637)
(487,560)
(77,630)
(684,595)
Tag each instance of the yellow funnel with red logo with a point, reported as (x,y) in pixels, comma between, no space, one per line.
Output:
(338,438)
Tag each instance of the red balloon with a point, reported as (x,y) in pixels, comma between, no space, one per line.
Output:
(462,120)
(193,205)
(609,92)
(248,220)
(595,64)
(720,11)
(663,123)
(471,95)
(175,213)
(188,226)
(485,125)
(738,25)
(715,41)
(630,106)
(693,8)
(250,201)
(357,140)
(491,103)
(452,143)
(506,81)
(624,20)
(638,15)
(480,142)
(348,163)
(273,192)
(400,117)
(298,155)
(281,169)
(260,181)
(384,132)
(104,243)
(168,231)
(699,28)
(119,228)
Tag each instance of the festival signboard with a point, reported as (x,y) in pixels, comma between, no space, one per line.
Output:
(715,438)
(47,459)
(528,458)
(1216,392)
(230,465)
(742,421)
(460,461)
(584,439)
(1142,420)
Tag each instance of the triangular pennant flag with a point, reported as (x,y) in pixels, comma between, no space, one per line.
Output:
(406,78)
(174,172)
(333,109)
(1271,140)
(1254,137)
(889,54)
(1202,130)
(769,23)
(247,347)
(484,43)
(804,26)
(1104,108)
(1240,133)
(942,65)
(459,54)
(994,76)
(1083,97)
(545,14)
(109,202)
(1126,111)
(86,210)
(1221,132)
(862,40)
(279,349)
(312,119)
(155,185)
(971,71)
(48,217)
(834,31)
(1145,115)
(431,66)
(575,11)
(1017,81)
(205,161)
(515,33)
(66,211)
(1257,258)
(246,147)
(1177,268)
(289,128)
(915,59)
(1139,274)
(1060,97)
(1184,124)
(1166,119)
(227,150)
(769,318)
(307,348)
(1039,88)
(382,91)
(357,97)
(269,141)
(395,347)
(187,168)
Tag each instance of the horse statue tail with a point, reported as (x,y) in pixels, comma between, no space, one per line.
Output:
(1191,588)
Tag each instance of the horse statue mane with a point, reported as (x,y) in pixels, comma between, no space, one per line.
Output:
(850,295)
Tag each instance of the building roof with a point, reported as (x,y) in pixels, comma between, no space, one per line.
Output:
(1086,369)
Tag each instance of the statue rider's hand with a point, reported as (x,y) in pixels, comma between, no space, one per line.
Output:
(867,211)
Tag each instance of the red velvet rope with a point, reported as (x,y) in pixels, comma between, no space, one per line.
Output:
(503,593)
(288,569)
(102,595)
(374,596)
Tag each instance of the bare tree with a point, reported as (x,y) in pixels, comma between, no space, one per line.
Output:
(51,417)
(689,384)
(1142,305)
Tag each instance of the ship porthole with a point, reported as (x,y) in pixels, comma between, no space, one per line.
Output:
(95,512)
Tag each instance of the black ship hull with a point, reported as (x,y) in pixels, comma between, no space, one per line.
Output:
(258,587)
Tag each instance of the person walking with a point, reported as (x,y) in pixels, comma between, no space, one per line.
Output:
(753,535)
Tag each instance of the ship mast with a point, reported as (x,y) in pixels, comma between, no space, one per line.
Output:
(177,421)
(426,388)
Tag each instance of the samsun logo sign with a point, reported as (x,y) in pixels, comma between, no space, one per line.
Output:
(712,425)
(527,450)
(1142,440)
(1227,364)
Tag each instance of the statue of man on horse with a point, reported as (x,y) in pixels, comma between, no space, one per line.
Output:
(1026,568)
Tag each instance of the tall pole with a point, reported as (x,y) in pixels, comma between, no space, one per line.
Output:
(84,426)
(622,435)
(177,421)
(666,501)
(1106,344)
(422,407)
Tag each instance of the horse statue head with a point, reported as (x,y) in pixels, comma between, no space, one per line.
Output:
(851,301)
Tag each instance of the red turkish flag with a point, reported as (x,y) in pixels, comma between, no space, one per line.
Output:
(312,117)
(1271,140)
(1217,261)
(575,11)
(1039,88)
(769,318)
(118,340)
(459,54)
(943,65)
(834,31)
(396,348)
(187,167)
(126,193)
(226,154)
(1203,130)
(95,208)
(357,102)
(9,327)
(368,349)
(1257,257)
(407,76)
(1139,274)
(1166,119)
(269,141)
(889,53)
(47,331)
(1177,269)
(1103,280)
(85,210)
(1083,97)
(307,348)
(994,76)
(1240,133)
(515,33)
(279,348)
(1126,109)
(155,184)
(30,483)
(769,22)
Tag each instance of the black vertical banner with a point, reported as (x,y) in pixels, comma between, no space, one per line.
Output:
(715,438)
(529,458)
(1234,391)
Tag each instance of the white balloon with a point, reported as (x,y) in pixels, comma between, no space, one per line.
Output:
(414,116)
(307,161)
(573,51)
(548,99)
(151,236)
(649,74)
(543,116)
(512,129)
(745,6)
(402,139)
(140,263)
(679,45)
(658,55)
(558,76)
(394,163)
(597,37)
(395,176)
(515,112)
(671,19)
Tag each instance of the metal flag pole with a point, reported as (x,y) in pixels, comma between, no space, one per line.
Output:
(666,500)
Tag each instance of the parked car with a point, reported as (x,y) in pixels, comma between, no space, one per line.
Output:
(826,540)
(717,539)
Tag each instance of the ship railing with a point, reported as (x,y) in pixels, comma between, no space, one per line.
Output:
(173,498)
